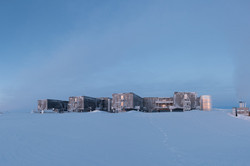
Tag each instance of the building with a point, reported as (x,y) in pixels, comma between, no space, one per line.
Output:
(152,104)
(205,103)
(181,101)
(52,104)
(164,104)
(126,102)
(149,104)
(83,103)
(242,105)
(198,103)
(105,104)
(242,109)
(185,101)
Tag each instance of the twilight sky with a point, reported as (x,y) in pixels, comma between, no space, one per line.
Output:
(62,48)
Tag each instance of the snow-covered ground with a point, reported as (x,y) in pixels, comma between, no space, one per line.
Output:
(192,138)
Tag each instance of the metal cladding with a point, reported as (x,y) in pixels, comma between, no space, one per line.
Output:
(106,104)
(149,103)
(206,103)
(126,101)
(83,103)
(185,100)
(164,104)
(152,104)
(198,103)
(51,104)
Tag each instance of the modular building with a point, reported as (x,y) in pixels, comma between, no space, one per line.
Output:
(152,104)
(51,104)
(185,100)
(149,104)
(105,104)
(126,102)
(83,103)
(130,101)
(198,103)
(205,103)
(164,104)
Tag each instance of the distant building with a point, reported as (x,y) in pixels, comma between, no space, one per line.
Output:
(149,104)
(205,103)
(198,103)
(105,104)
(242,109)
(126,102)
(83,103)
(185,101)
(119,102)
(164,104)
(53,105)
(243,106)
(152,104)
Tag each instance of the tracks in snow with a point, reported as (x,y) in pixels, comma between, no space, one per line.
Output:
(173,150)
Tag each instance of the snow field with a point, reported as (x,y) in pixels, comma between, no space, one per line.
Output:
(134,138)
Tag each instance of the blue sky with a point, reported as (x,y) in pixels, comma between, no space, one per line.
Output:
(62,48)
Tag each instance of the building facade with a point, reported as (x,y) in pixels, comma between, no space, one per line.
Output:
(126,102)
(157,104)
(83,103)
(205,103)
(185,101)
(52,104)
(106,104)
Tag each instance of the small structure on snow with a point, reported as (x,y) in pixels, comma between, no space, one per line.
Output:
(242,109)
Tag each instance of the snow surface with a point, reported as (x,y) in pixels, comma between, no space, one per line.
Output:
(240,116)
(125,139)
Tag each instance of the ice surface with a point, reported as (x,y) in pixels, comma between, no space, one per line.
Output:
(124,139)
